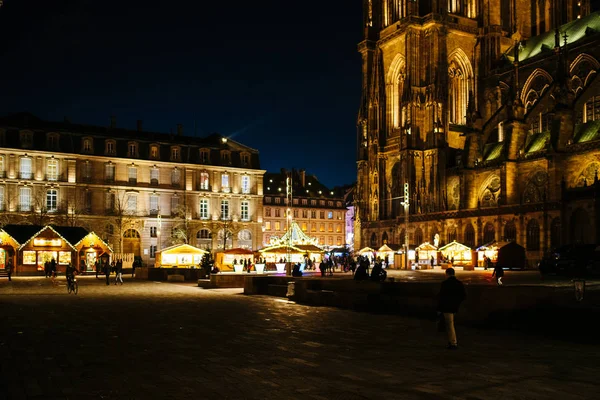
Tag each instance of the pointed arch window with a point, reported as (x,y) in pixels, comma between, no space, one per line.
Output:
(460,86)
(533,235)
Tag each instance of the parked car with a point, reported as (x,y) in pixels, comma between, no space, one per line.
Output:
(572,259)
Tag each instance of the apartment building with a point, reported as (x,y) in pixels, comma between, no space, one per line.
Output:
(140,191)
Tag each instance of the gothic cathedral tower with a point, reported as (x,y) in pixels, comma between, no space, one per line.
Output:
(440,82)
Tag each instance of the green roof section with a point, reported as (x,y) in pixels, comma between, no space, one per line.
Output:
(536,141)
(575,30)
(587,132)
(492,151)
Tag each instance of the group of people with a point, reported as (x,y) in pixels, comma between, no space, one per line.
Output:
(106,268)
(378,272)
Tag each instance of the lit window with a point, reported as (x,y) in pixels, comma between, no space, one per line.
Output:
(304,202)
(109,171)
(110,147)
(277,225)
(175,153)
(25,168)
(203,208)
(338,229)
(225,181)
(295,202)
(87,145)
(132,174)
(86,170)
(131,205)
(154,174)
(25,199)
(225,209)
(330,215)
(322,228)
(330,227)
(1,198)
(2,167)
(153,204)
(174,204)
(313,227)
(204,181)
(268,225)
(52,170)
(245,213)
(175,177)
(132,150)
(304,226)
(313,202)
(154,152)
(245,184)
(51,200)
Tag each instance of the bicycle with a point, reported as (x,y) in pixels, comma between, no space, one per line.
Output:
(72,286)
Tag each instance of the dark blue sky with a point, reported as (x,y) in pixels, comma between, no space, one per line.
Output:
(281,77)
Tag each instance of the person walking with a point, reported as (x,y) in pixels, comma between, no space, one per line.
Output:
(119,273)
(107,273)
(452,293)
(431,262)
(498,273)
(9,269)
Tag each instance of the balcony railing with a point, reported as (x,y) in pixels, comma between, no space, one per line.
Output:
(203,187)
(26,175)
(154,182)
(133,181)
(153,212)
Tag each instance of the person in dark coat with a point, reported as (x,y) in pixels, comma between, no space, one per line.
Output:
(378,274)
(296,271)
(498,273)
(9,268)
(452,293)
(107,273)
(361,273)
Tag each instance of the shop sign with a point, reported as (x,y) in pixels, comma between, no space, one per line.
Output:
(47,242)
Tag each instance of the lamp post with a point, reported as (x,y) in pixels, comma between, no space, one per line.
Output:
(406,204)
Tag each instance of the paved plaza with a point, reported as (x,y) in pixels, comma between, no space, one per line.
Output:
(150,340)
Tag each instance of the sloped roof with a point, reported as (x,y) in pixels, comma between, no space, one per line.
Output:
(537,141)
(182,247)
(72,234)
(454,246)
(426,246)
(492,151)
(309,247)
(22,233)
(575,30)
(587,132)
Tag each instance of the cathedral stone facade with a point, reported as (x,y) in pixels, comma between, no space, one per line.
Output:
(487,113)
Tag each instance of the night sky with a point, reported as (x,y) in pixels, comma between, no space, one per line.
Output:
(281,77)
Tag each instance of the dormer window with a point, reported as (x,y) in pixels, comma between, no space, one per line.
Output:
(245,157)
(225,157)
(175,153)
(26,139)
(110,147)
(87,146)
(132,149)
(52,141)
(154,152)
(204,156)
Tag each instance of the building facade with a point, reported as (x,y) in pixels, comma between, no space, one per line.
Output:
(486,113)
(319,211)
(140,191)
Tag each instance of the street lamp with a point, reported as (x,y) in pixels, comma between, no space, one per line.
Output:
(406,204)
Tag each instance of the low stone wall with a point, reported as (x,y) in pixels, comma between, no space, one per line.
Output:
(223,281)
(162,274)
(414,298)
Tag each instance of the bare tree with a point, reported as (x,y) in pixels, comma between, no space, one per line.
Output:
(122,215)
(184,227)
(74,208)
(40,212)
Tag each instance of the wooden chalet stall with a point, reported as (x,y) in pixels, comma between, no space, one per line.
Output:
(33,245)
(231,259)
(458,255)
(387,253)
(8,249)
(179,256)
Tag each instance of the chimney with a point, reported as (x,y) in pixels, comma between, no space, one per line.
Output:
(113,122)
(139,125)
(303,177)
(179,129)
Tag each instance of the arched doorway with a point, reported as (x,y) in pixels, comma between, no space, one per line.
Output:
(581,228)
(132,242)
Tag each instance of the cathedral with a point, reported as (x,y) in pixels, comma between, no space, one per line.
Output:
(479,122)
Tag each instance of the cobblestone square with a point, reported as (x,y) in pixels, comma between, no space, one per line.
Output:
(164,340)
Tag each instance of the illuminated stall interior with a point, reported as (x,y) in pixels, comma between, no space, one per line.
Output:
(179,256)
(91,248)
(274,254)
(425,251)
(8,249)
(461,254)
(226,259)
(386,253)
(39,244)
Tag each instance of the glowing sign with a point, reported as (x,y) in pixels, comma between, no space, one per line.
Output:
(47,242)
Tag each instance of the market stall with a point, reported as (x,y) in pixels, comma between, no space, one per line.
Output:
(90,248)
(8,249)
(387,253)
(367,252)
(457,254)
(423,255)
(233,259)
(179,256)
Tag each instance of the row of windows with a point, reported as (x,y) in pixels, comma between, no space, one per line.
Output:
(278,226)
(277,213)
(110,148)
(48,201)
(304,202)
(130,205)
